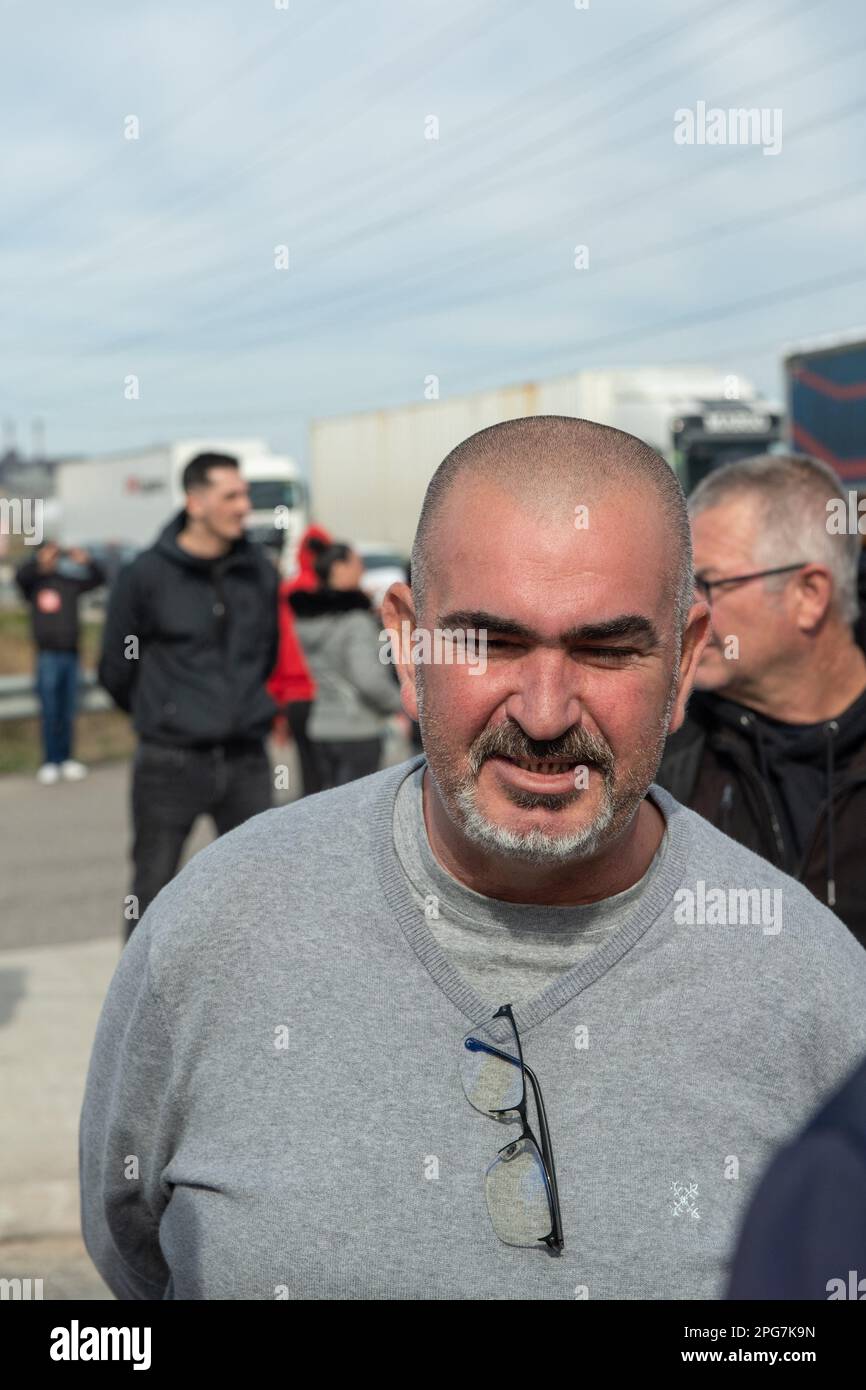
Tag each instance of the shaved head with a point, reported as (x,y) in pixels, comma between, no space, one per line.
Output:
(566,544)
(549,465)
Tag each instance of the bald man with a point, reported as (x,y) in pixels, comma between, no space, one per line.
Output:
(505,1021)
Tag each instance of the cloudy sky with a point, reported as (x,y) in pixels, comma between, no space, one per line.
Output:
(306,127)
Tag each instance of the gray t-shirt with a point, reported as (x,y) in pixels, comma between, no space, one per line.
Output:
(508,952)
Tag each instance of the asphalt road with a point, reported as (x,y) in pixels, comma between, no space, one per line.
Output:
(64,871)
(64,855)
(63,875)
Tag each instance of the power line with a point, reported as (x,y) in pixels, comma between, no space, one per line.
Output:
(790,293)
(390,78)
(547,279)
(740,352)
(390,182)
(473,183)
(343,303)
(314,303)
(442,48)
(516,159)
(214,90)
(613,56)
(748,221)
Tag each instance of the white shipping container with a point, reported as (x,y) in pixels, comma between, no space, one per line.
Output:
(369,471)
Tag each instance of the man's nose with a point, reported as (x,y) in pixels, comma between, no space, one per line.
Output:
(546,701)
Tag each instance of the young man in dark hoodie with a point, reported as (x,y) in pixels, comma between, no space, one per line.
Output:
(773,751)
(190,640)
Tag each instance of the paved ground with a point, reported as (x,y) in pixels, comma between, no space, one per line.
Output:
(65,858)
(50,998)
(63,876)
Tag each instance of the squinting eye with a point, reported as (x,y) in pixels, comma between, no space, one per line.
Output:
(614,653)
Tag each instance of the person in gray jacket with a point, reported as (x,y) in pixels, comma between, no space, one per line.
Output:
(356,692)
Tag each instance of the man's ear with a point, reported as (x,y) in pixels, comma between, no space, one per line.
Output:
(398,619)
(810,596)
(695,637)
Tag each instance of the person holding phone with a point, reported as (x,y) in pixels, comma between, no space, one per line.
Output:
(52,583)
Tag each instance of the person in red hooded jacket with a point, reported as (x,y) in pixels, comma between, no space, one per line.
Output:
(290,682)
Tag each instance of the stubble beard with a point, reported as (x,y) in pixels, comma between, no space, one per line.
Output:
(620,797)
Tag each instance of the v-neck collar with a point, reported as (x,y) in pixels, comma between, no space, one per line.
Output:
(398,894)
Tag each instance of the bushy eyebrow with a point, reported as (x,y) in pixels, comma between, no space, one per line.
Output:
(634,626)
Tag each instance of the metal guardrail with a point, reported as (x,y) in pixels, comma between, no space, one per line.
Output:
(18,698)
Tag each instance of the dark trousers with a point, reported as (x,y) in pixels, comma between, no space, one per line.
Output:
(297,715)
(345,760)
(171,787)
(57,687)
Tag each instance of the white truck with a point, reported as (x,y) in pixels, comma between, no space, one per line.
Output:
(368,472)
(120,502)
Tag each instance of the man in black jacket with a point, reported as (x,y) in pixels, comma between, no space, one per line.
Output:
(52,583)
(773,750)
(190,640)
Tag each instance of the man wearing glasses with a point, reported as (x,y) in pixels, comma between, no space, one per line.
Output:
(460,1033)
(774,748)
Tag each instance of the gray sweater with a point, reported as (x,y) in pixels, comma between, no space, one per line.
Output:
(274,1110)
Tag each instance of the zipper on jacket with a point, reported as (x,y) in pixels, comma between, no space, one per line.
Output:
(725,742)
(220,609)
(725,806)
(842,788)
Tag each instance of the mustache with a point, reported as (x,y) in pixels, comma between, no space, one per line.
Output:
(578,745)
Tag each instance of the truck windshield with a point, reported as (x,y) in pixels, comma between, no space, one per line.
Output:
(267,493)
(703,458)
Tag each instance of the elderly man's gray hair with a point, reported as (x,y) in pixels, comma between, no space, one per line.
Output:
(791,492)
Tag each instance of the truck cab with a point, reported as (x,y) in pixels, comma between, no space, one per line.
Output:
(718,432)
(278,497)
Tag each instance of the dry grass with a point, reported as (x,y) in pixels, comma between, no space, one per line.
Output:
(99,737)
(102,736)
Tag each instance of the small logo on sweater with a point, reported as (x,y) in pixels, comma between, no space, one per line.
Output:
(685,1203)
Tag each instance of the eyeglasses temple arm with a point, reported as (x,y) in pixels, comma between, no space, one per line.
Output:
(476,1045)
